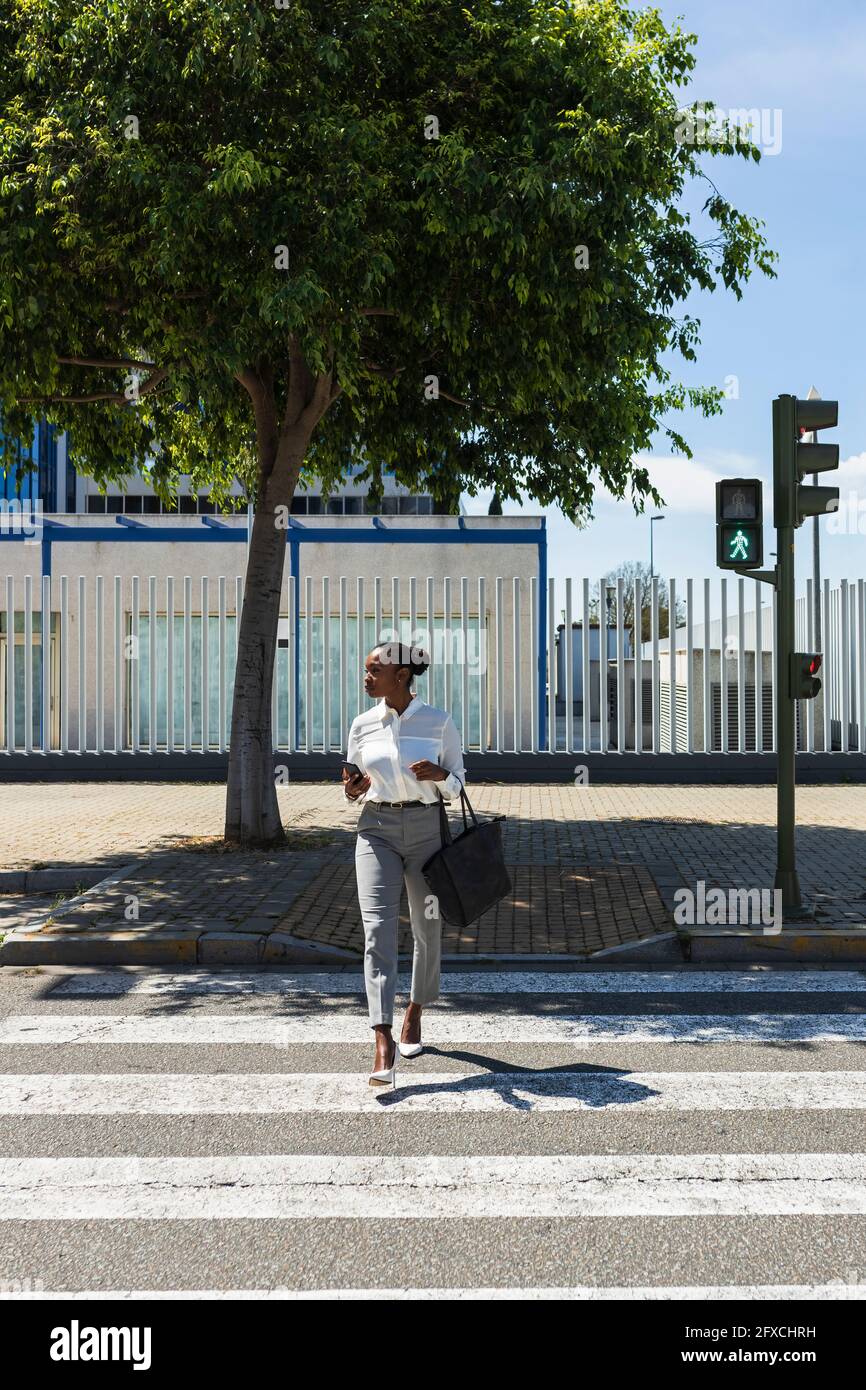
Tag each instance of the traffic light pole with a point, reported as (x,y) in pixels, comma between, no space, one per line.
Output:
(786,861)
(785,519)
(796,672)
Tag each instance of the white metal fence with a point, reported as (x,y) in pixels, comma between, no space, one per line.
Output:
(110,663)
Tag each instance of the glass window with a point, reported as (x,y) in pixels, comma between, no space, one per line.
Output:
(299,506)
(187,503)
(114,504)
(335,506)
(70,483)
(132,504)
(425,506)
(389,506)
(314,506)
(354,505)
(36,677)
(460,647)
(205,506)
(408,506)
(96,504)
(151,505)
(194,676)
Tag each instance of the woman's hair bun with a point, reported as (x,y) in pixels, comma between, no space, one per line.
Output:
(416,657)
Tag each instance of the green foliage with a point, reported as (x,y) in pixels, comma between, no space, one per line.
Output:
(155,156)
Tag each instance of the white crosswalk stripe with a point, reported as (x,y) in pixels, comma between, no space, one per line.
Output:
(317,1023)
(431,1151)
(434,1093)
(714,1293)
(318,1187)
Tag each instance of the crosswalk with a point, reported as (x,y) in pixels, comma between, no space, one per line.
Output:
(584,1134)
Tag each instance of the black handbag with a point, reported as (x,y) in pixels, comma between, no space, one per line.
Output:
(468,874)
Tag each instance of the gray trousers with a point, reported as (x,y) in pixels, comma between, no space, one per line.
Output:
(393,842)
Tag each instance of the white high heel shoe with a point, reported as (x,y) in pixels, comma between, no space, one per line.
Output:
(412,1049)
(388,1076)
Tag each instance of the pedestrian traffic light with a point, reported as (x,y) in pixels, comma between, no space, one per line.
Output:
(793,459)
(805,684)
(739,523)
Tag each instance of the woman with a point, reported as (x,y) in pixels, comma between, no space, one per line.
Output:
(407,752)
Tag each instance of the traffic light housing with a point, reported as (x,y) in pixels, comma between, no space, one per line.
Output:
(805,684)
(739,523)
(793,459)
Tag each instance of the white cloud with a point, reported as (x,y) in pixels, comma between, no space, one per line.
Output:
(689,485)
(851,471)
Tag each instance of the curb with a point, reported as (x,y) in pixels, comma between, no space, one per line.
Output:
(198,946)
(41,880)
(187,946)
(665,947)
(29,953)
(14,946)
(803,945)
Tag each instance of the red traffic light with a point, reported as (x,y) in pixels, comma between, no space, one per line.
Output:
(804,682)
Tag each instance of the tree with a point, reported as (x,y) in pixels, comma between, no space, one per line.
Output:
(634,572)
(300,236)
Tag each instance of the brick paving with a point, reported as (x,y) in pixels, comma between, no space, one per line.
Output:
(593,867)
(565,911)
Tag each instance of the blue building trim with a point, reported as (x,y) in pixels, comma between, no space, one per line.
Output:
(542,638)
(211,529)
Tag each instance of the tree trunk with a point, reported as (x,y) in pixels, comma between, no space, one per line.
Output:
(252,811)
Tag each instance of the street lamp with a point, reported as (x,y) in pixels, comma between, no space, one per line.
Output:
(658,517)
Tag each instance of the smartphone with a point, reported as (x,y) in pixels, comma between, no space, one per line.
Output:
(353,770)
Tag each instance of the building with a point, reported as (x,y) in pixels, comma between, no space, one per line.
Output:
(53,481)
(144,608)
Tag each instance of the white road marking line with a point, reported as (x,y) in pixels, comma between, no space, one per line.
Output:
(435,1093)
(288,1187)
(320,1021)
(473,982)
(585,1293)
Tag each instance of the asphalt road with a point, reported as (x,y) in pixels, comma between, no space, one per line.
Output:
(588,1133)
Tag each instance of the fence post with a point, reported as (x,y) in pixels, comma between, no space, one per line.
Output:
(567,653)
(690,656)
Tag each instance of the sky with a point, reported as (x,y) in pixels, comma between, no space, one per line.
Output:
(805,66)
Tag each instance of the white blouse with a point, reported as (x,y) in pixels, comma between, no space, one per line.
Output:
(383,743)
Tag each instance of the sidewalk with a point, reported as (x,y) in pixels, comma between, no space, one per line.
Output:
(594,870)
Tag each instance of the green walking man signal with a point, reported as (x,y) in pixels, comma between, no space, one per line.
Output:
(739,523)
